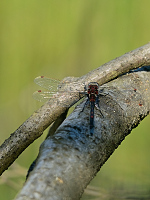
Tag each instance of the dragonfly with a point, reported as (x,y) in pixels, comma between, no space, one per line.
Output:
(91,91)
(93,98)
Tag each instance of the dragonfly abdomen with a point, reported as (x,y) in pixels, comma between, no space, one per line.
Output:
(92,117)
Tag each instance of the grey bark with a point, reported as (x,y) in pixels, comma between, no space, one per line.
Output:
(69,159)
(34,126)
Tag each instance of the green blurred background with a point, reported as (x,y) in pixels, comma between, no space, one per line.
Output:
(59,38)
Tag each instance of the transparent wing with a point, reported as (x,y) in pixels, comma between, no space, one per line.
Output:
(43,96)
(47,83)
(53,85)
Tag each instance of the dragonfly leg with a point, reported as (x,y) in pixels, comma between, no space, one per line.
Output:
(86,103)
(97,106)
(102,93)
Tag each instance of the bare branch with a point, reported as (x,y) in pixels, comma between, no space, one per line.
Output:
(69,159)
(33,127)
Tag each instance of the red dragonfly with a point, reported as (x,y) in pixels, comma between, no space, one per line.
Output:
(91,91)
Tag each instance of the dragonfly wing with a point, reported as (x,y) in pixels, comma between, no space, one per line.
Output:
(54,85)
(47,83)
(42,96)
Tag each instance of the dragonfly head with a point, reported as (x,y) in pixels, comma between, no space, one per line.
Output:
(93,88)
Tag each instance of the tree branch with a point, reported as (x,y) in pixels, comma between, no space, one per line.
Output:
(33,127)
(69,159)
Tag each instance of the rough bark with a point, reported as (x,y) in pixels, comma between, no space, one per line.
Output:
(69,159)
(34,126)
